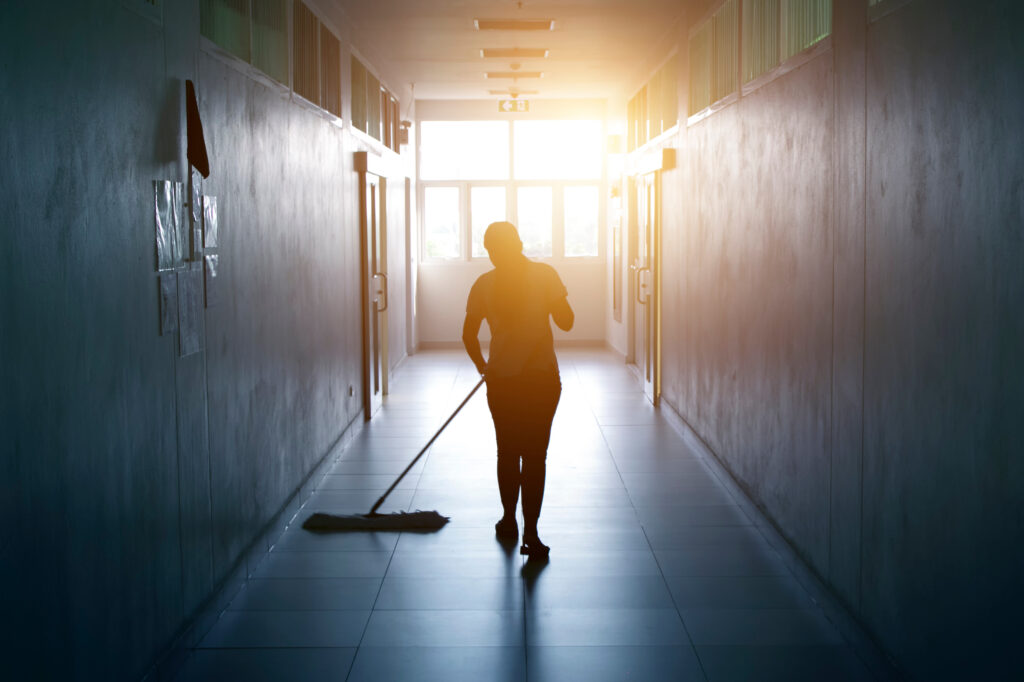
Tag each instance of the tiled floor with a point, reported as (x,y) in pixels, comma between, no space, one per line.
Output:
(656,573)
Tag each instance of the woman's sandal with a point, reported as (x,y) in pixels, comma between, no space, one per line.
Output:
(534,548)
(507,529)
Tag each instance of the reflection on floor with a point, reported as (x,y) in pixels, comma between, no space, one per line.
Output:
(655,573)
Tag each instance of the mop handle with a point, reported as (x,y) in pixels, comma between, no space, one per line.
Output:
(430,442)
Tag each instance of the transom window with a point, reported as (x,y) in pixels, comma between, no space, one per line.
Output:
(543,176)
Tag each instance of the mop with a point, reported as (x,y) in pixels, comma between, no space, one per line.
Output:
(417,520)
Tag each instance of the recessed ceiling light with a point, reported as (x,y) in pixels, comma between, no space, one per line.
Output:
(514,24)
(513,93)
(514,52)
(514,74)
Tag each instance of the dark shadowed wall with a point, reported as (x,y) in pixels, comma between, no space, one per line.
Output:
(843,282)
(134,480)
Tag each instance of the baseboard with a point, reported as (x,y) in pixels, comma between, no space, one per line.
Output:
(846,623)
(196,627)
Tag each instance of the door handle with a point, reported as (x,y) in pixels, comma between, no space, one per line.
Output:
(383,290)
(639,276)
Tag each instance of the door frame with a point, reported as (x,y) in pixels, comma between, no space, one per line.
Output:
(367,165)
(644,169)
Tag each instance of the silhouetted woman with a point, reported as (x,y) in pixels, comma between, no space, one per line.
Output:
(523,386)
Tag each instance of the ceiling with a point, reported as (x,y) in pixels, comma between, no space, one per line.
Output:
(596,47)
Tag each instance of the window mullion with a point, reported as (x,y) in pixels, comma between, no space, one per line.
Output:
(558,221)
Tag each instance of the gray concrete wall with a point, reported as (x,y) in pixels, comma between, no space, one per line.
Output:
(133,479)
(844,248)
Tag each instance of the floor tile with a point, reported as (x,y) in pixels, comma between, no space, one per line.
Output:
(439,664)
(452,628)
(378,482)
(500,594)
(569,563)
(613,664)
(298,539)
(721,561)
(324,565)
(629,592)
(245,629)
(306,594)
(481,564)
(604,627)
(738,592)
(267,665)
(782,664)
(759,627)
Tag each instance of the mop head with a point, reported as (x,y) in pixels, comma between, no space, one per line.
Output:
(417,520)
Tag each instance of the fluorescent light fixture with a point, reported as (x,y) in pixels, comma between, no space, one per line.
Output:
(514,74)
(512,93)
(514,52)
(514,24)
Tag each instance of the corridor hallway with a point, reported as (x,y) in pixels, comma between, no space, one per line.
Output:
(657,571)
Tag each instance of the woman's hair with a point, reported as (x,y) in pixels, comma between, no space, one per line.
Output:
(502,236)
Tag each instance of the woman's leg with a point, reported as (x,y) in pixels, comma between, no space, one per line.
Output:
(508,484)
(545,395)
(534,471)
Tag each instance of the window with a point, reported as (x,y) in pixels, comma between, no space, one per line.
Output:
(464,150)
(714,58)
(226,22)
(760,37)
(543,176)
(805,22)
(358,95)
(700,69)
(306,29)
(270,38)
(655,107)
(441,222)
(486,206)
(725,52)
(557,150)
(330,71)
(373,107)
(772,32)
(580,206)
(534,216)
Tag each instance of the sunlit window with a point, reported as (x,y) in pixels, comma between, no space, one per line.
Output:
(557,150)
(534,208)
(441,222)
(464,150)
(486,206)
(543,176)
(581,221)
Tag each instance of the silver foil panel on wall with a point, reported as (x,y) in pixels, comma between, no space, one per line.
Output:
(211,227)
(212,279)
(162,197)
(168,302)
(190,307)
(179,229)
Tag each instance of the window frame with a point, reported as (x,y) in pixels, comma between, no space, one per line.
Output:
(512,186)
(783,66)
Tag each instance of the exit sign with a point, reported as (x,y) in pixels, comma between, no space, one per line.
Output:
(508,106)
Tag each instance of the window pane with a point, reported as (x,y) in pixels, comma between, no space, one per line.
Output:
(441,221)
(807,22)
(270,38)
(534,204)
(464,150)
(581,221)
(486,206)
(226,22)
(557,150)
